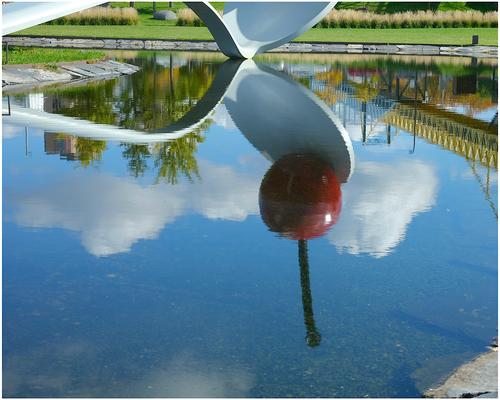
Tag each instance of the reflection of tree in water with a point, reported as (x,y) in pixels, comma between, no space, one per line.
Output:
(178,156)
(170,159)
(150,99)
(327,91)
(153,98)
(137,156)
(367,90)
(89,151)
(166,93)
(90,102)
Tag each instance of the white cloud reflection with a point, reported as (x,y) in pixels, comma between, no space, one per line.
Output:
(48,371)
(187,376)
(222,118)
(379,203)
(113,213)
(12,131)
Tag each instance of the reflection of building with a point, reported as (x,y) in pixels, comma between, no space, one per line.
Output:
(472,139)
(456,111)
(65,146)
(375,104)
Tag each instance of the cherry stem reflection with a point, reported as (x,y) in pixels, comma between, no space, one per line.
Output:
(313,337)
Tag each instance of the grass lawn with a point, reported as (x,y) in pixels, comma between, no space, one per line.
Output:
(152,29)
(32,55)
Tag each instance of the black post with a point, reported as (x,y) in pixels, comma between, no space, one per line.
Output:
(8,107)
(7,53)
(313,337)
(415,114)
(475,39)
(363,119)
(26,145)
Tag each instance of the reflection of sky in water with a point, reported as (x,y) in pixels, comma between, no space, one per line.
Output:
(117,286)
(381,200)
(104,208)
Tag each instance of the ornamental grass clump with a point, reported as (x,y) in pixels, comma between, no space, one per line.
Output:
(187,17)
(418,19)
(100,16)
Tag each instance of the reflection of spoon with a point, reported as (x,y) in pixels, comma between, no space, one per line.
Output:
(280,116)
(300,196)
(190,121)
(300,199)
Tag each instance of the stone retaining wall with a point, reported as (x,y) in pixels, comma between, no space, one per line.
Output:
(294,47)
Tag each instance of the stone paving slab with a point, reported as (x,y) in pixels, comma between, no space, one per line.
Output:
(16,77)
(13,75)
(94,69)
(76,71)
(25,75)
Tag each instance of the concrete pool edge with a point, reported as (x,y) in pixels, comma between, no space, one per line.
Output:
(292,47)
(475,378)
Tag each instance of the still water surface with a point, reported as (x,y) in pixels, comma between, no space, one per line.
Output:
(319,226)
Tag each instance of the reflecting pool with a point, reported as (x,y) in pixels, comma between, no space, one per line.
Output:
(293,226)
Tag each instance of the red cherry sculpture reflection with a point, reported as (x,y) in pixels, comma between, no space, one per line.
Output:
(300,197)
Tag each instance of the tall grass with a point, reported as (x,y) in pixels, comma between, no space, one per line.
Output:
(187,17)
(418,19)
(100,16)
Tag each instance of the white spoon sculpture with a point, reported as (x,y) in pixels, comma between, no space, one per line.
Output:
(244,30)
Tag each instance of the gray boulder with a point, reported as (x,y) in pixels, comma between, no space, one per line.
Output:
(165,15)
